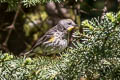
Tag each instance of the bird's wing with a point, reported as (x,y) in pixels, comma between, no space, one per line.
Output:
(49,36)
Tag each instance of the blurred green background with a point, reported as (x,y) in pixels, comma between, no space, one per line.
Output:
(21,25)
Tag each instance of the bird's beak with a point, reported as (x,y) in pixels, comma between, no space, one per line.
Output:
(73,27)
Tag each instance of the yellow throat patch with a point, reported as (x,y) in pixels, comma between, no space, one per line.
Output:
(70,28)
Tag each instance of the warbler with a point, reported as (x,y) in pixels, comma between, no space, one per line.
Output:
(55,40)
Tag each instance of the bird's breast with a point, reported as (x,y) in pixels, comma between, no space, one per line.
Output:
(58,44)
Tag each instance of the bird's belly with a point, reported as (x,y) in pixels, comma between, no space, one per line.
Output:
(56,47)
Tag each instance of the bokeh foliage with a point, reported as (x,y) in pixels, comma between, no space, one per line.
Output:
(35,17)
(13,3)
(95,56)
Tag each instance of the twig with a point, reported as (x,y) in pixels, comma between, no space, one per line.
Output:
(104,9)
(12,26)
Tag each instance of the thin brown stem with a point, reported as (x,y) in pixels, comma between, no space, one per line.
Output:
(104,9)
(12,26)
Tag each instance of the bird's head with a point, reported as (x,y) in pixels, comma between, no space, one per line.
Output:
(68,24)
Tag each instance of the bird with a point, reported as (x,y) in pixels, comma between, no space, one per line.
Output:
(55,40)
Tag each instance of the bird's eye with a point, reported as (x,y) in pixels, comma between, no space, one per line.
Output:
(69,23)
